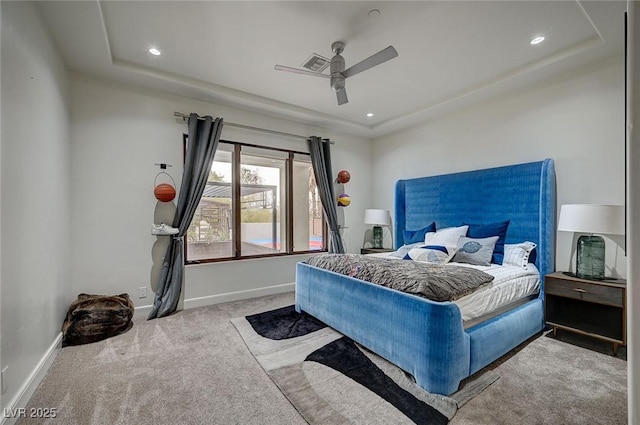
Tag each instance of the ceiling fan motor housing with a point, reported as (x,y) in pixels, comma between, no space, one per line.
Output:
(336,68)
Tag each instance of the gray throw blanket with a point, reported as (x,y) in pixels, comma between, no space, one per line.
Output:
(432,281)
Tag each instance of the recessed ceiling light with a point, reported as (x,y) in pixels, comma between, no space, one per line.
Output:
(537,40)
(370,114)
(155,51)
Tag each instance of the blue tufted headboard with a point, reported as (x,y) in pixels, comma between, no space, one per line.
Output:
(522,193)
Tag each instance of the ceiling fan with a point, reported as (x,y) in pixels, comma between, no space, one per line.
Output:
(337,71)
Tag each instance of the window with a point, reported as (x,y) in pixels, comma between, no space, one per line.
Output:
(258,202)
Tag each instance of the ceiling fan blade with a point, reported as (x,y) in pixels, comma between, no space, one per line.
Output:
(299,71)
(342,96)
(380,57)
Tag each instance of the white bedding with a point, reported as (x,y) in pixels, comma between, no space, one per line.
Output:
(511,284)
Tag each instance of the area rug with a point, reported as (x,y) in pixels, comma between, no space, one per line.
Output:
(330,379)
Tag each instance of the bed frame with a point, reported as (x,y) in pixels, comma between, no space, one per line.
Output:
(427,338)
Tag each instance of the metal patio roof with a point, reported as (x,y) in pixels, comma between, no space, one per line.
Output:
(224,190)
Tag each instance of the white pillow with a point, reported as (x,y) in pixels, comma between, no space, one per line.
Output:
(447,237)
(431,255)
(518,254)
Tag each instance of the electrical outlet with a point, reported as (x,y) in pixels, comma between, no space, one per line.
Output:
(3,378)
(142,292)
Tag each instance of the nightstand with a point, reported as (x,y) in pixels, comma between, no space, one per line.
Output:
(596,308)
(375,250)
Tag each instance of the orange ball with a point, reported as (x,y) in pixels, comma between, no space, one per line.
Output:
(164,192)
(344,176)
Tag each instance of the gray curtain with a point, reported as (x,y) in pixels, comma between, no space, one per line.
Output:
(204,135)
(321,162)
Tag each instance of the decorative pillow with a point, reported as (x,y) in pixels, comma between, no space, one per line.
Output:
(488,230)
(404,249)
(447,237)
(431,254)
(475,251)
(519,254)
(417,236)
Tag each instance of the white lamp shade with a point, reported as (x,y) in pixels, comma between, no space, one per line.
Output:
(590,218)
(377,217)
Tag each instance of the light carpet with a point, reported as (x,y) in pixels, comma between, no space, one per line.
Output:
(548,381)
(332,380)
(194,368)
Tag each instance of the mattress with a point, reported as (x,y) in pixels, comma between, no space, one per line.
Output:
(511,286)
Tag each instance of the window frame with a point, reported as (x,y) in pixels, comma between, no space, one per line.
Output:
(236,206)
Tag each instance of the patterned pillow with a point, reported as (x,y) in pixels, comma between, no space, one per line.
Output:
(403,251)
(475,251)
(431,254)
(519,254)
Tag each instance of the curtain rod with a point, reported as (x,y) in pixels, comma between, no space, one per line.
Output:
(248,127)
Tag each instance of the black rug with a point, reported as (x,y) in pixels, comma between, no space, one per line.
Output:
(332,380)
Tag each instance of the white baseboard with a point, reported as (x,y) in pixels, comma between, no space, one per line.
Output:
(32,382)
(143,311)
(239,295)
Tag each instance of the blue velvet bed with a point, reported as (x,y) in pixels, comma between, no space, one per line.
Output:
(425,338)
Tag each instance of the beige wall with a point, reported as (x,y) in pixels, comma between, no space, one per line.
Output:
(35,198)
(579,122)
(118,133)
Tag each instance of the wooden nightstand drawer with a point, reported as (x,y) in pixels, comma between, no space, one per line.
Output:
(596,308)
(594,293)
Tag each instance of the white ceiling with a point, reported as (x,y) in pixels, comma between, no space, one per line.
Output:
(451,53)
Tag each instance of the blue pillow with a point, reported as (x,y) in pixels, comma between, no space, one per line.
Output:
(533,256)
(415,236)
(487,230)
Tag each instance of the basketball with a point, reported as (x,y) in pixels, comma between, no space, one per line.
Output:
(344,200)
(164,192)
(344,176)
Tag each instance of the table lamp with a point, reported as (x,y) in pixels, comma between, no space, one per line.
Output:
(378,218)
(590,218)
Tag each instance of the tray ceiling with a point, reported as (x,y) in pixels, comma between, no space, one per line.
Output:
(450,53)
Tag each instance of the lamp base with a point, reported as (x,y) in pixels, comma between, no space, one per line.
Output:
(377,237)
(590,257)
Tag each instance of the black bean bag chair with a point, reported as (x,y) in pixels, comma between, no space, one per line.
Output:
(92,318)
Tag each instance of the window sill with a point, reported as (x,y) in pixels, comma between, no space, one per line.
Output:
(253,257)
